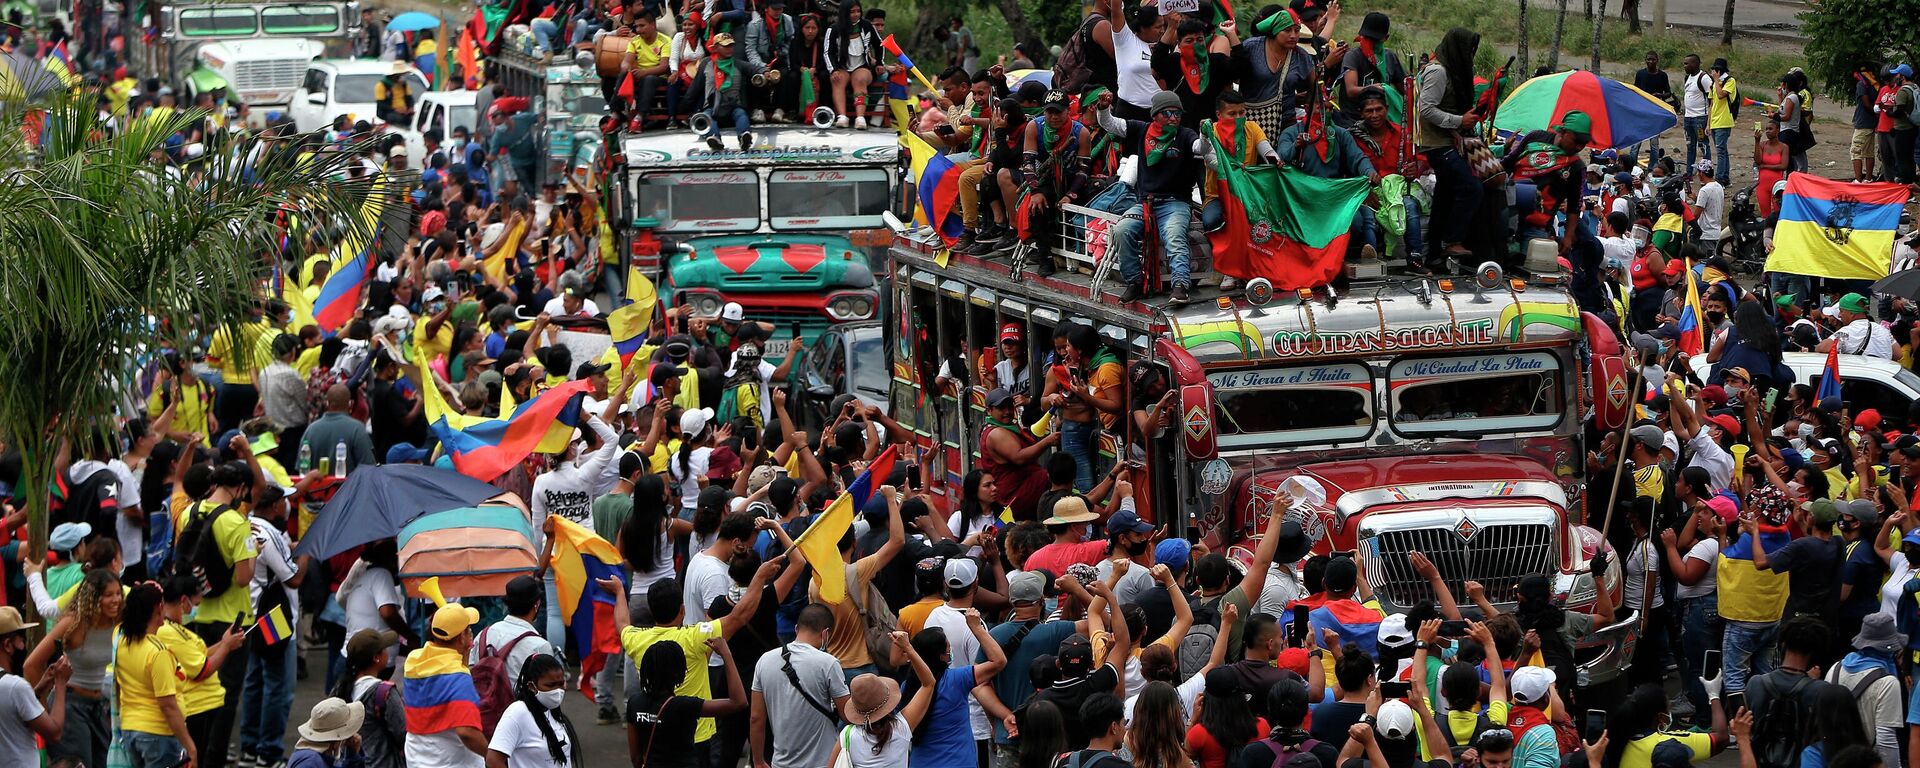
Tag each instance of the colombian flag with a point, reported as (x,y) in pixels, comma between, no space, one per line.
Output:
(1355,623)
(484,447)
(821,541)
(61,65)
(581,558)
(1836,229)
(1830,377)
(352,259)
(1693,332)
(937,182)
(273,626)
(439,693)
(629,323)
(495,265)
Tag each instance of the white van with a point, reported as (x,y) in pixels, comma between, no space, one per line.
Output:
(1865,382)
(335,87)
(444,110)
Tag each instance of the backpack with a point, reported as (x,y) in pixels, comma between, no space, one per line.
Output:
(1283,753)
(1903,110)
(1086,758)
(1481,724)
(1782,732)
(197,551)
(880,624)
(491,681)
(93,500)
(1070,71)
(1196,649)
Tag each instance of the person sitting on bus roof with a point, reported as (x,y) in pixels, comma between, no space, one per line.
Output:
(852,50)
(1053,169)
(1247,144)
(769,35)
(1166,178)
(1007,126)
(1332,155)
(647,67)
(726,92)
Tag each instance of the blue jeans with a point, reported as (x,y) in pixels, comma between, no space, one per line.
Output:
(1800,286)
(151,750)
(546,35)
(1696,128)
(1699,630)
(1416,221)
(583,30)
(739,123)
(1213,215)
(1746,652)
(1364,226)
(1080,439)
(1721,168)
(556,630)
(615,284)
(1170,219)
(267,700)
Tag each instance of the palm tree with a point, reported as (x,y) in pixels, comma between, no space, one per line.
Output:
(106,257)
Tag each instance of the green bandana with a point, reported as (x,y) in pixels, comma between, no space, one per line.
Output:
(1160,139)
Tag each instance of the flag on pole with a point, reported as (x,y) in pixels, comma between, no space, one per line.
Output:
(581,558)
(936,183)
(351,259)
(1692,325)
(628,325)
(893,48)
(821,541)
(484,447)
(273,626)
(1283,223)
(1830,376)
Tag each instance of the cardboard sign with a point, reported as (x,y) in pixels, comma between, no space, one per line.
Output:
(1179,6)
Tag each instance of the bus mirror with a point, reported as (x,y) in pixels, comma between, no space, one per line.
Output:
(821,392)
(894,223)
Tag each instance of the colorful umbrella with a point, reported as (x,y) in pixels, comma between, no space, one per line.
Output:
(1622,114)
(413,21)
(474,551)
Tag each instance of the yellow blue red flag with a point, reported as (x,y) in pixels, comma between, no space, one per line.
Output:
(581,558)
(1836,229)
(821,541)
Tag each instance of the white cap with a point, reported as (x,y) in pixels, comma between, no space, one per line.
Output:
(693,421)
(733,312)
(1531,684)
(1394,721)
(492,234)
(1671,443)
(961,573)
(432,292)
(397,150)
(1393,631)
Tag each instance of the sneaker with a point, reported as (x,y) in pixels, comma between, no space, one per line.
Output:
(713,143)
(1007,241)
(746,140)
(860,123)
(759,116)
(1042,267)
(779,116)
(248,760)
(1180,293)
(636,125)
(1132,293)
(963,243)
(840,122)
(607,715)
(983,244)
(1228,284)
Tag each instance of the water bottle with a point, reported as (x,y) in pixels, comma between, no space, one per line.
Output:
(304,463)
(340,460)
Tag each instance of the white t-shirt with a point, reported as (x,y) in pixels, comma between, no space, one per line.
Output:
(1865,337)
(375,588)
(1712,201)
(662,567)
(1696,89)
(1133,58)
(1898,573)
(557,307)
(1706,550)
(1010,380)
(858,743)
(1281,588)
(1189,692)
(965,648)
(440,750)
(706,579)
(126,494)
(1642,568)
(971,527)
(519,738)
(17,706)
(689,484)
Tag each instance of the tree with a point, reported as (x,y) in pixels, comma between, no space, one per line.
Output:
(1630,10)
(1526,64)
(1726,26)
(1599,18)
(1559,32)
(102,254)
(1843,35)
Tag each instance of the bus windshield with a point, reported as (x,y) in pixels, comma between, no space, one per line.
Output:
(703,201)
(300,20)
(794,200)
(1299,404)
(217,22)
(1476,394)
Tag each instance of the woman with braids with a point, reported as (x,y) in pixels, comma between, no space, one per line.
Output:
(148,681)
(1154,737)
(533,731)
(85,632)
(660,723)
(879,732)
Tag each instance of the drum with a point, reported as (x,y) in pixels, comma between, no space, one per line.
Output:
(609,53)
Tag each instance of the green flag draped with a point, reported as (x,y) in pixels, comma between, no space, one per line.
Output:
(1283,223)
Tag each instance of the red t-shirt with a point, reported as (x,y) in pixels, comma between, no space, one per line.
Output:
(1055,558)
(1886,99)
(1207,753)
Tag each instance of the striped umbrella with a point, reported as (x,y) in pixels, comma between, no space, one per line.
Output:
(1622,114)
(475,551)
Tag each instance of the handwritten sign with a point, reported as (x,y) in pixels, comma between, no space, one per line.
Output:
(1179,6)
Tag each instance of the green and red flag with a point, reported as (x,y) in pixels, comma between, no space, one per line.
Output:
(1283,224)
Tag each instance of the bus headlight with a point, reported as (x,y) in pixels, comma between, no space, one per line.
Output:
(851,306)
(704,303)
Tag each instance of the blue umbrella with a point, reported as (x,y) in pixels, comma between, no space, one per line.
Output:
(413,21)
(376,502)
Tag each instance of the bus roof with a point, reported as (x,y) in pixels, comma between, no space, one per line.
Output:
(773,145)
(1370,319)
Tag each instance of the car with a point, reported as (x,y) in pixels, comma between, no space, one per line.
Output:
(335,87)
(1865,382)
(848,358)
(444,110)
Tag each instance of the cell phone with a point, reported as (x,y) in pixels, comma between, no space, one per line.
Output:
(1453,628)
(1709,662)
(945,130)
(1299,631)
(1394,689)
(795,325)
(1193,534)
(1596,725)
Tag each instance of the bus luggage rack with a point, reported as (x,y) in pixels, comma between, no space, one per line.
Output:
(1497,556)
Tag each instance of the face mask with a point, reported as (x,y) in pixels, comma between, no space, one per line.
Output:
(1137,548)
(1716,317)
(1733,391)
(551,699)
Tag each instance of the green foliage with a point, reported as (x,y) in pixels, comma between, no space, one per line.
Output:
(1056,20)
(1843,35)
(103,252)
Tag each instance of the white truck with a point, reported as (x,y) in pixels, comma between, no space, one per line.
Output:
(256,51)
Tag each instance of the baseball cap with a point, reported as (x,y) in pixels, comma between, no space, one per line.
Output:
(398,150)
(1902,69)
(1531,684)
(998,396)
(1127,521)
(589,369)
(1027,587)
(1055,101)
(1173,553)
(1393,631)
(1737,372)
(1012,332)
(1649,435)
(432,292)
(66,536)
(1726,508)
(1912,537)
(1862,510)
(406,453)
(733,312)
(1714,393)
(1853,302)
(693,421)
(452,620)
(1823,512)
(1394,721)
(961,573)
(1867,419)
(1726,423)
(1076,655)
(1342,575)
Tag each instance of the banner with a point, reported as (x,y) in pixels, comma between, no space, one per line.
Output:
(1836,229)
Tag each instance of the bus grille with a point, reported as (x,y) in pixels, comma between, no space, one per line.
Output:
(269,75)
(1497,556)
